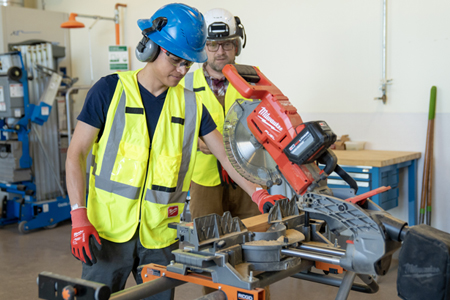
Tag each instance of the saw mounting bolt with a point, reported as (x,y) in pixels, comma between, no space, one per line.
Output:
(221,244)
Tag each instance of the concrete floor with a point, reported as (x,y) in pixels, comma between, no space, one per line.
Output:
(23,257)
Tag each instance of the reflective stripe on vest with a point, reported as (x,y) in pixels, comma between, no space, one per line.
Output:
(103,181)
(205,170)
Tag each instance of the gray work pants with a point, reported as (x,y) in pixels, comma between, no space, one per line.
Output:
(115,262)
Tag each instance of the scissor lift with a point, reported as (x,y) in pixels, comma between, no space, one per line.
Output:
(18,125)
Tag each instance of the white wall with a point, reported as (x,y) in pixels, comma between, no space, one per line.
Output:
(325,55)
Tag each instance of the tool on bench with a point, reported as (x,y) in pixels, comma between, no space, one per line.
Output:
(266,141)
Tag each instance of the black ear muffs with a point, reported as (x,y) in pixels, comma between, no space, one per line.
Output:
(146,49)
(240,30)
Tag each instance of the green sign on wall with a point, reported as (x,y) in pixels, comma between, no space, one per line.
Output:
(119,58)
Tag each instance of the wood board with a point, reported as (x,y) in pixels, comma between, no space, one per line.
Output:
(257,223)
(374,158)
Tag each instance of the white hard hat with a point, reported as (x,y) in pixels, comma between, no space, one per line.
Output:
(222,25)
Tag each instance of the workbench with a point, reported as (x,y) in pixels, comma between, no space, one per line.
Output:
(374,168)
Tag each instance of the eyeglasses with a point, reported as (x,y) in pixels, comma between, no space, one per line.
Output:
(177,61)
(213,46)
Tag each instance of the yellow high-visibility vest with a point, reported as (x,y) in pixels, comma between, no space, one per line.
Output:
(205,170)
(137,181)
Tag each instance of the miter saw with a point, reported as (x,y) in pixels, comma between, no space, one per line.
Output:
(267,142)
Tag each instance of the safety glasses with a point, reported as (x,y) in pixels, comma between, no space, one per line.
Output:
(177,61)
(213,46)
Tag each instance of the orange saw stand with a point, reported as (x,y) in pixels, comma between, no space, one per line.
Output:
(153,271)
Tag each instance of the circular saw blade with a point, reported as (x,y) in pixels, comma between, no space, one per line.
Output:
(245,153)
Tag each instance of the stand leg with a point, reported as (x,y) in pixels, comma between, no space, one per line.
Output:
(346,285)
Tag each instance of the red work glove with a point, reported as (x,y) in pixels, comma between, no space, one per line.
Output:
(264,200)
(82,233)
(225,179)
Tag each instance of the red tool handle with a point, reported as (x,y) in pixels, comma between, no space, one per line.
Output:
(251,83)
(241,77)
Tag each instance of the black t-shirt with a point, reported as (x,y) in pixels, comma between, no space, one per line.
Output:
(99,98)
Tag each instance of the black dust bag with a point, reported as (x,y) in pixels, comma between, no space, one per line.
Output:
(424,264)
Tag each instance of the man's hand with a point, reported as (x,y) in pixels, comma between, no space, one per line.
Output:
(82,232)
(202,147)
(264,200)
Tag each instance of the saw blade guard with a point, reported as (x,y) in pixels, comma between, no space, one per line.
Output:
(245,153)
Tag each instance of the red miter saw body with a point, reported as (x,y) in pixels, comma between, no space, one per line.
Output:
(277,126)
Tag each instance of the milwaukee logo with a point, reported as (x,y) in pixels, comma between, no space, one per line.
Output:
(264,116)
(416,271)
(270,135)
(78,237)
(244,296)
(172,211)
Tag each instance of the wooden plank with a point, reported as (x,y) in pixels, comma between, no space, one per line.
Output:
(374,158)
(257,223)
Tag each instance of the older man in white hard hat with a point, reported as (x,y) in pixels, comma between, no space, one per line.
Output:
(212,190)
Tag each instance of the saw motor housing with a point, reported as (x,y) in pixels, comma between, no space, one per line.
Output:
(275,124)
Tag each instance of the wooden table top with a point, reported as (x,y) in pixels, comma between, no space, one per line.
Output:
(374,158)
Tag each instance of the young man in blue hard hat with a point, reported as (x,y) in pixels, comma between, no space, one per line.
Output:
(142,128)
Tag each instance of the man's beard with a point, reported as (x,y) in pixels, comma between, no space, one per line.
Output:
(218,68)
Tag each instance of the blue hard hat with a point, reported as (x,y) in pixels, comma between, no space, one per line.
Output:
(184,33)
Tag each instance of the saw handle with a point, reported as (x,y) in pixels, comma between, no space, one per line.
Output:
(249,81)
(346,177)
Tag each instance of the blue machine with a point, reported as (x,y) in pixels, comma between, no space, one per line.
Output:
(17,116)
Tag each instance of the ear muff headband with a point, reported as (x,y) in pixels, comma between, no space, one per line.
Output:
(157,25)
(146,49)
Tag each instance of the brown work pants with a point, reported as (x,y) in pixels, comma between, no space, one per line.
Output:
(217,199)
